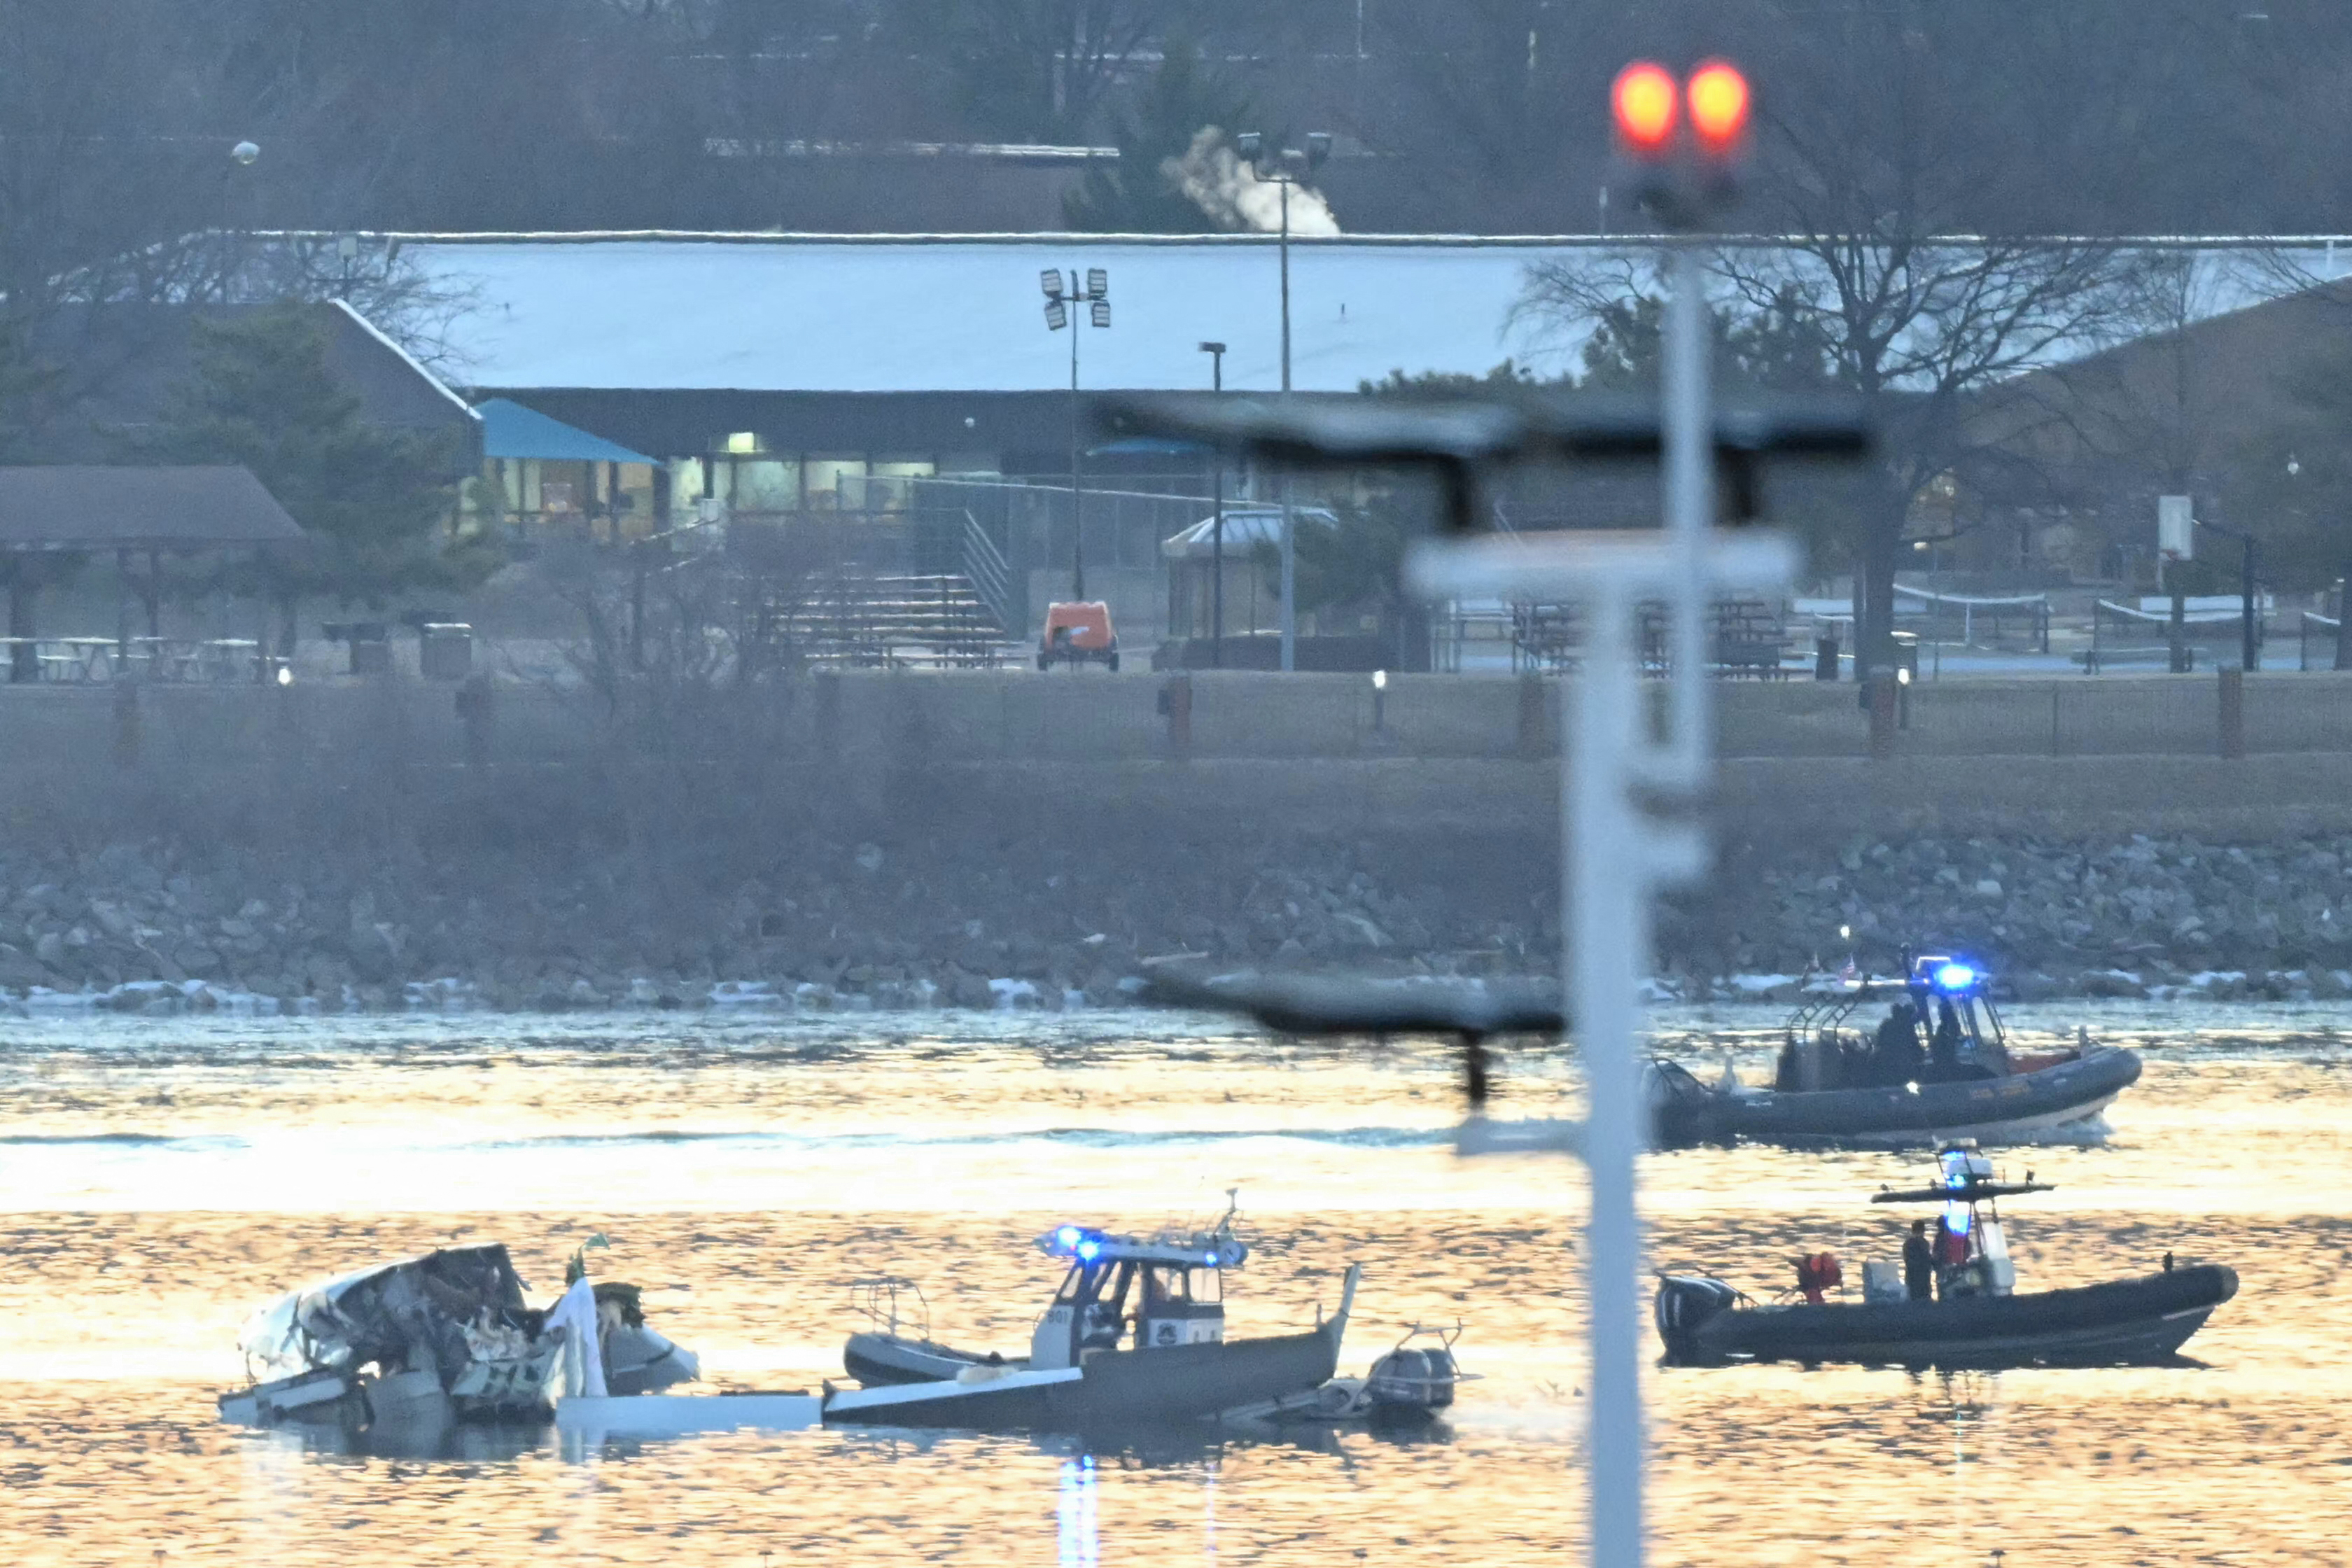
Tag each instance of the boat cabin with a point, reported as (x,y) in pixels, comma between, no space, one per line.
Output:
(1979,1262)
(1955,994)
(1940,1027)
(1124,1292)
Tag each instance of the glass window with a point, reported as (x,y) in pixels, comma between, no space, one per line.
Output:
(768,485)
(837,484)
(889,489)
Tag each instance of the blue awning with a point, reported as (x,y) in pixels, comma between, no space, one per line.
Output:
(511,430)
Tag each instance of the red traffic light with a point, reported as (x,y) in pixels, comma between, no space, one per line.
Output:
(1644,102)
(1718,107)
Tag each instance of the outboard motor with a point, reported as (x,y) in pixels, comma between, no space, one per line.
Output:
(1411,1381)
(1686,1302)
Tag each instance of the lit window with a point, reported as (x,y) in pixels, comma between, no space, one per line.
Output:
(743,441)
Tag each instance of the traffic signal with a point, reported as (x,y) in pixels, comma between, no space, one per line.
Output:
(1718,108)
(1644,100)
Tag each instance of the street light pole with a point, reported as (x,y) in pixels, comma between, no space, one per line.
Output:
(1290,521)
(1077,511)
(1074,305)
(1217,353)
(243,155)
(1288,167)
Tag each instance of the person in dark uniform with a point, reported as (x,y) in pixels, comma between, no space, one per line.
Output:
(1918,1262)
(1944,1050)
(1896,1054)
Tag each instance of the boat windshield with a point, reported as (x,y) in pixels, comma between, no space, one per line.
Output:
(1193,1287)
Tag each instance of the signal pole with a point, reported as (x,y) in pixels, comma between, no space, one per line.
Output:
(1630,801)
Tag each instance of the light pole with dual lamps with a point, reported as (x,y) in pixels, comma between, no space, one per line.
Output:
(1063,303)
(1285,167)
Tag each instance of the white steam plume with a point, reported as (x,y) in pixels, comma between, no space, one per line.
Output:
(1221,186)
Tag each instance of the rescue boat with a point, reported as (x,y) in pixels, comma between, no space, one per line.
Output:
(1939,1068)
(1975,1318)
(1135,1334)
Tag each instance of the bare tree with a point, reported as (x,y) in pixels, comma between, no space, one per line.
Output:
(1033,70)
(1873,178)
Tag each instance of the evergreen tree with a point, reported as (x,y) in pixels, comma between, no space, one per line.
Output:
(372,500)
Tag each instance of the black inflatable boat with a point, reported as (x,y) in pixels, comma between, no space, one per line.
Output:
(1974,1318)
(1938,1068)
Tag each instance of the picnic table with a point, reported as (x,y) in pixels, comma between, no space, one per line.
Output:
(76,658)
(228,658)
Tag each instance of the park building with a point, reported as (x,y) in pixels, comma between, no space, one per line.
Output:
(901,406)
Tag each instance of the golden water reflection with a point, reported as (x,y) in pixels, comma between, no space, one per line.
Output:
(159,1182)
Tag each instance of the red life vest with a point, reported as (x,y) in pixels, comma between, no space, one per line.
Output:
(1818,1272)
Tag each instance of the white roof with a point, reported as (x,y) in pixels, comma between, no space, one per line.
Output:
(771,312)
(1246,527)
(797,314)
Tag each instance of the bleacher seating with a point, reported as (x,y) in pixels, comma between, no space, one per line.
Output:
(875,621)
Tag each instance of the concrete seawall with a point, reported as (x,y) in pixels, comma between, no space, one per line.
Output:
(1000,714)
(2111,755)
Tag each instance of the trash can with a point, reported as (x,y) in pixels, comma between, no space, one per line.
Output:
(1825,657)
(446,650)
(371,648)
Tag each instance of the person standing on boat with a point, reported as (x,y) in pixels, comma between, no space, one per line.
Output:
(1918,1263)
(1951,1257)
(1897,1048)
(1944,1050)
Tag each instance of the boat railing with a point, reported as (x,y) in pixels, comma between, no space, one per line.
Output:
(877,1301)
(1820,1013)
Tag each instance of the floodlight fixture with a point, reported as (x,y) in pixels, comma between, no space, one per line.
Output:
(1720,101)
(1318,148)
(1057,315)
(1249,146)
(1050,279)
(1100,312)
(1098,283)
(1643,103)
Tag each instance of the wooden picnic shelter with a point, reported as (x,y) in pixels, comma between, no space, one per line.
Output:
(129,511)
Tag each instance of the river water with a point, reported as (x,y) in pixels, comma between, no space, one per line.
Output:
(158,1177)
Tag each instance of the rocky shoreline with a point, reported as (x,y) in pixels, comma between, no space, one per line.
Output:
(822,926)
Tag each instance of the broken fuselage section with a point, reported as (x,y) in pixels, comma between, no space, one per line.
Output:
(444,1336)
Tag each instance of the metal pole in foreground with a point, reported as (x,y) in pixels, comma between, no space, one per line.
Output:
(1607,899)
(1609,890)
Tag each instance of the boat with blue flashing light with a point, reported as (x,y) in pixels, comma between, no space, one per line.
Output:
(1134,1335)
(1952,1302)
(1939,1067)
